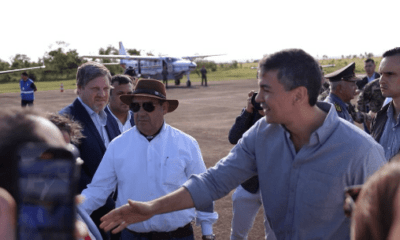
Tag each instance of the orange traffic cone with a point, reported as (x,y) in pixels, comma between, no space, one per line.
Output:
(62,87)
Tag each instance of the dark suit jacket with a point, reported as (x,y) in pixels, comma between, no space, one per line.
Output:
(364,81)
(112,119)
(92,147)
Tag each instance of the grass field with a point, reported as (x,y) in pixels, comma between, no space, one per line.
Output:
(243,71)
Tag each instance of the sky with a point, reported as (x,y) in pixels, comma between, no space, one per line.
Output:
(242,30)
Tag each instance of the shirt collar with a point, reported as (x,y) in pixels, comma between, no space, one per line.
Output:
(102,116)
(327,128)
(336,99)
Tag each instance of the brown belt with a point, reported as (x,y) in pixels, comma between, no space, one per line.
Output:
(181,232)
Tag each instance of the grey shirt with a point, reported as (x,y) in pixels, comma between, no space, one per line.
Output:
(302,192)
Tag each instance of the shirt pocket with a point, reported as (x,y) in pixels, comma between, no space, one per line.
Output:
(174,174)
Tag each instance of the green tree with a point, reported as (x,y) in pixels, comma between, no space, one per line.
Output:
(111,64)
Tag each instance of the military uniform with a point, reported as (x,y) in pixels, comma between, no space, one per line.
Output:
(340,106)
(344,110)
(371,98)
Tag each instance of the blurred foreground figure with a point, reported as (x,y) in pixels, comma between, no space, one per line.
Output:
(303,153)
(18,127)
(376,213)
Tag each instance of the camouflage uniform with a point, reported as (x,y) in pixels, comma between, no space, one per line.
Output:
(371,98)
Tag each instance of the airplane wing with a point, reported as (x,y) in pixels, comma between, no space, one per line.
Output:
(191,58)
(329,65)
(21,69)
(130,57)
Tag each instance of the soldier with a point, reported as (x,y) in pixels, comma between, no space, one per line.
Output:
(343,89)
(370,102)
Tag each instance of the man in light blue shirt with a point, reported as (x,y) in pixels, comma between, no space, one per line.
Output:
(304,154)
(386,125)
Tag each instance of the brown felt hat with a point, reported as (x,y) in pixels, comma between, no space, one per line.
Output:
(346,74)
(150,88)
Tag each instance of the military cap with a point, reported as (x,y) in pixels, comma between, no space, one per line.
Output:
(345,74)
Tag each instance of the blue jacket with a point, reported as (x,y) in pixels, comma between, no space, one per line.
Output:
(112,119)
(27,88)
(91,147)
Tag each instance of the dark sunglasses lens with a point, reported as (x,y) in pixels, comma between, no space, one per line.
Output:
(148,106)
(135,107)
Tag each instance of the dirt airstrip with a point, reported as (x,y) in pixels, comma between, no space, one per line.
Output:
(206,113)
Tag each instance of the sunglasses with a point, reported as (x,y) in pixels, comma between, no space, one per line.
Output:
(147,106)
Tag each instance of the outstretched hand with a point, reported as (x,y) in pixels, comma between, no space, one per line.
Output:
(121,217)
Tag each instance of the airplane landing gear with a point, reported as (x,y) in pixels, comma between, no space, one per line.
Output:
(188,83)
(177,81)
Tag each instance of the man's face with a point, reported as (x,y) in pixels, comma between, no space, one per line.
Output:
(369,68)
(24,77)
(149,123)
(116,105)
(348,90)
(275,101)
(390,76)
(95,93)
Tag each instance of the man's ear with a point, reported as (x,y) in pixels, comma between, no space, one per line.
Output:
(300,94)
(165,107)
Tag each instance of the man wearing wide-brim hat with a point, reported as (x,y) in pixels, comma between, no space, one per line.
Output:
(343,89)
(148,161)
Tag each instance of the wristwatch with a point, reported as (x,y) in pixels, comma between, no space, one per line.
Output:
(208,237)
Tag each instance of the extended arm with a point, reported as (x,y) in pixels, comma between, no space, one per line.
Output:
(134,212)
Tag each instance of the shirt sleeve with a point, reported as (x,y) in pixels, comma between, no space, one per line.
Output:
(196,166)
(238,166)
(370,162)
(33,86)
(102,185)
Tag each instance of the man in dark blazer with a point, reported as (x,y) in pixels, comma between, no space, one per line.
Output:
(369,67)
(93,83)
(117,111)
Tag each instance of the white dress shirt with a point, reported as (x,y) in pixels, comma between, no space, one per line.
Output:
(147,170)
(123,126)
(99,120)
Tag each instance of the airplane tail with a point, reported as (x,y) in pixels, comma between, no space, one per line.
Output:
(121,49)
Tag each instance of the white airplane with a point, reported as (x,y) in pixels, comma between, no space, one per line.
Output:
(152,66)
(21,69)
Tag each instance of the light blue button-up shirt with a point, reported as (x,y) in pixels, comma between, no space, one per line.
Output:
(303,192)
(390,139)
(99,120)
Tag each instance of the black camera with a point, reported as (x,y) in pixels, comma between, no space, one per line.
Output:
(256,105)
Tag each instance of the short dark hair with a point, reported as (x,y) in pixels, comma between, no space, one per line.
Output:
(369,60)
(121,79)
(64,123)
(17,126)
(392,52)
(24,74)
(89,71)
(295,68)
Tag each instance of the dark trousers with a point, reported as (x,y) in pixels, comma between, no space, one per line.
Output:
(183,233)
(97,214)
(26,102)
(205,80)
